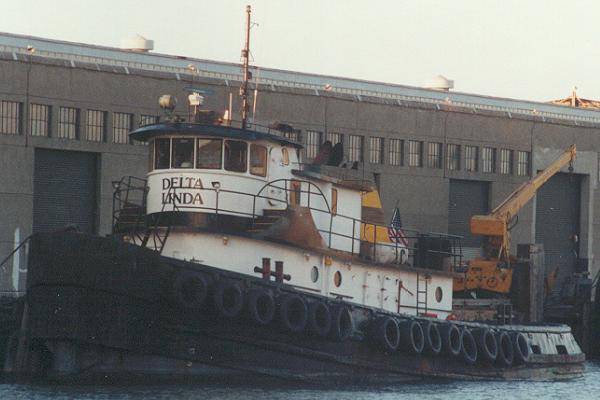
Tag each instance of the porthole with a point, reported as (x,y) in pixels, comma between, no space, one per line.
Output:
(438,294)
(314,274)
(337,278)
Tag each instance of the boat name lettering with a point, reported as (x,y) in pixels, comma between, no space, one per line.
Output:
(185,198)
(182,182)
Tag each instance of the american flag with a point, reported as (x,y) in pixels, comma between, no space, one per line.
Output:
(395,229)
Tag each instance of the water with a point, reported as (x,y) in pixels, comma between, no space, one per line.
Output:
(587,387)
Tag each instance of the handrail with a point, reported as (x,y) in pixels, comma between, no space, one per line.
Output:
(218,209)
(3,263)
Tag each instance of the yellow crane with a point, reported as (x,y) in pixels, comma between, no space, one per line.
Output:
(493,272)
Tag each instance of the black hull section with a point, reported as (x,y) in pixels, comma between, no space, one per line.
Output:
(97,307)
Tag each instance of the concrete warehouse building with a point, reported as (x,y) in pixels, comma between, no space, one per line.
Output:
(66,109)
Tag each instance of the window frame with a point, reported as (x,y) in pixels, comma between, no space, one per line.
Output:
(197,142)
(39,119)
(434,155)
(453,157)
(471,158)
(415,153)
(226,164)
(265,157)
(186,160)
(488,165)
(396,152)
(376,150)
(11,117)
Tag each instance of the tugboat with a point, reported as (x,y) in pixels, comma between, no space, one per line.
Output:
(232,257)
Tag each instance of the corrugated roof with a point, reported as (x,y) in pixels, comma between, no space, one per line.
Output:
(102,55)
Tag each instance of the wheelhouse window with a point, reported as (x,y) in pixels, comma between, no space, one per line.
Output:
(209,154)
(258,160)
(236,156)
(162,152)
(182,153)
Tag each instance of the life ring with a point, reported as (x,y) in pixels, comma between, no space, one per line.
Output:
(468,349)
(386,334)
(319,318)
(486,344)
(451,339)
(521,348)
(413,340)
(342,324)
(229,299)
(433,339)
(506,352)
(261,306)
(293,313)
(190,289)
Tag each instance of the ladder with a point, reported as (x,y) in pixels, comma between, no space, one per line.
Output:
(422,286)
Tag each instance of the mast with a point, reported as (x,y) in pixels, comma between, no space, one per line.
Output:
(245,57)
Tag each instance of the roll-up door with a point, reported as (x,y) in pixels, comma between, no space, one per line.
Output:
(557,224)
(466,199)
(64,190)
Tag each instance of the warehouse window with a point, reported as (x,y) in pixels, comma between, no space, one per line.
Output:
(39,120)
(209,154)
(162,153)
(453,157)
(122,124)
(488,159)
(313,143)
(96,125)
(396,152)
(471,158)
(182,153)
(10,117)
(258,160)
(376,150)
(415,153)
(148,120)
(292,135)
(523,163)
(236,156)
(506,166)
(355,148)
(434,155)
(68,123)
(335,138)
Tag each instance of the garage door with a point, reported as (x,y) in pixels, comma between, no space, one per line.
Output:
(64,190)
(467,198)
(557,221)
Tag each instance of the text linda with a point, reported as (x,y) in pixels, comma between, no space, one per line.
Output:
(171,191)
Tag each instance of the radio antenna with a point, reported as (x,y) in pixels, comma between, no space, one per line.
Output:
(246,72)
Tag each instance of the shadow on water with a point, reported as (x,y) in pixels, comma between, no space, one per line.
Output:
(587,387)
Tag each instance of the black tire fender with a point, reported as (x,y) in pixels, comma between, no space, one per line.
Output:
(342,323)
(433,338)
(413,340)
(506,351)
(386,333)
(521,348)
(229,299)
(190,289)
(293,313)
(469,347)
(451,339)
(319,318)
(486,344)
(261,306)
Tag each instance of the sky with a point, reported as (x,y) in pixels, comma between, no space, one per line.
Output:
(527,49)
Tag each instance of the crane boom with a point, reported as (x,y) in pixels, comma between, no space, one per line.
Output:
(496,223)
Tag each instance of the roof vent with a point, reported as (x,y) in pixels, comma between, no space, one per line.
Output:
(138,44)
(440,82)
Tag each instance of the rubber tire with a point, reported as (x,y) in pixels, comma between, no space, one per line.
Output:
(261,306)
(433,338)
(190,289)
(521,348)
(451,339)
(413,340)
(319,318)
(293,313)
(229,299)
(486,344)
(468,348)
(506,352)
(386,334)
(342,323)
